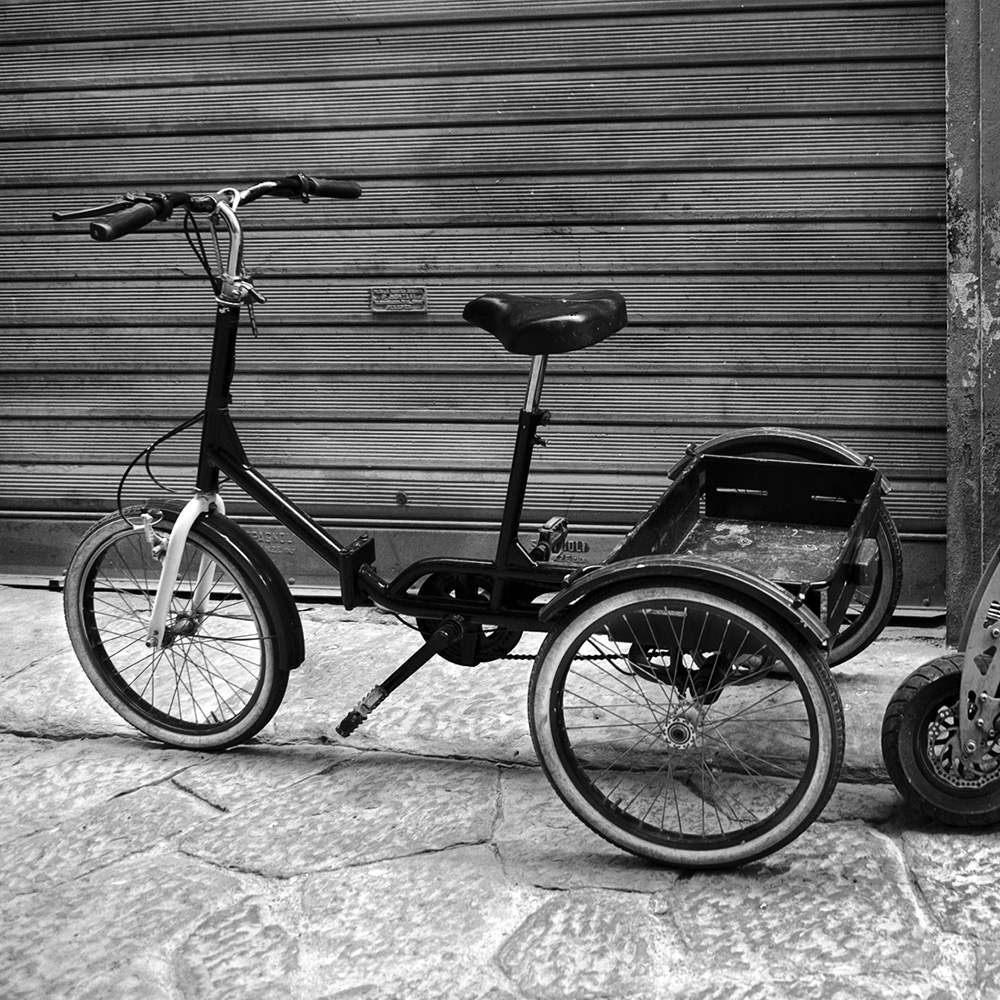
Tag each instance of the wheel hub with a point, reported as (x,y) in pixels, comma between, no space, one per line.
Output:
(182,627)
(679,729)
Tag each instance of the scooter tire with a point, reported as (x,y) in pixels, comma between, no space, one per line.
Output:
(921,751)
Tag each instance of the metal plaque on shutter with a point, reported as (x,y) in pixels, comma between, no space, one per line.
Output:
(399,299)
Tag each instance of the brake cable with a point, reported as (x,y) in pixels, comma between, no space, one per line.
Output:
(197,245)
(146,453)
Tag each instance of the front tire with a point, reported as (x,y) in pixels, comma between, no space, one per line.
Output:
(922,751)
(219,678)
(659,720)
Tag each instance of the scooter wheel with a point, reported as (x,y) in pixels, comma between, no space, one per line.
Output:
(922,751)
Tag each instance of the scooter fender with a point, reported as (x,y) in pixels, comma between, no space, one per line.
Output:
(980,680)
(790,440)
(591,582)
(981,602)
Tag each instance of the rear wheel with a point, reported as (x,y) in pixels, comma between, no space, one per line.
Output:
(871,604)
(659,718)
(217,679)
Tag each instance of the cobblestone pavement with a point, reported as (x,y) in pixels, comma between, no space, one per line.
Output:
(428,858)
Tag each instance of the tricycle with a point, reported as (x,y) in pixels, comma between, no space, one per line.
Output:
(681,700)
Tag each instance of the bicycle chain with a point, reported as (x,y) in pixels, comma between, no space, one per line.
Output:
(534,656)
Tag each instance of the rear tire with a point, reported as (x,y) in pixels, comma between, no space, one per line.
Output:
(220,678)
(871,606)
(661,724)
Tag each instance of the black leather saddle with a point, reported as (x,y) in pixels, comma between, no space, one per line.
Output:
(549,324)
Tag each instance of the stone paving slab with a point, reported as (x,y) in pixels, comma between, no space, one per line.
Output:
(113,933)
(377,807)
(954,872)
(157,892)
(600,943)
(424,926)
(444,710)
(32,628)
(46,783)
(428,858)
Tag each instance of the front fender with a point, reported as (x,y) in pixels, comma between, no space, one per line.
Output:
(681,569)
(255,562)
(258,562)
(787,440)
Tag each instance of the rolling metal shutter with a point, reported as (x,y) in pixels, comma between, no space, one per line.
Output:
(762,180)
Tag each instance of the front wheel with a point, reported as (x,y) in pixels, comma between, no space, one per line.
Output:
(923,753)
(660,720)
(217,678)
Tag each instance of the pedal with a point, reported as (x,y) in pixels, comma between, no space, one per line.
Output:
(551,539)
(362,710)
(445,634)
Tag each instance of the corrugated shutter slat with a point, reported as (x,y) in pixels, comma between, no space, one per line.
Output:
(762,179)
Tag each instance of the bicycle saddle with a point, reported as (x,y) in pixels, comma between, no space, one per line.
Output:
(548,324)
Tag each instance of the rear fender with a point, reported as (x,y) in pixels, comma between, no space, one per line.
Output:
(789,440)
(688,569)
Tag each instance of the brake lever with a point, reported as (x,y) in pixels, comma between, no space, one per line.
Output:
(126,201)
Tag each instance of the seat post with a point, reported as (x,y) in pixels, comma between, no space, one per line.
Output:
(531,417)
(538,363)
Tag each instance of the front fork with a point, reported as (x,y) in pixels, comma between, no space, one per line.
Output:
(200,503)
(978,706)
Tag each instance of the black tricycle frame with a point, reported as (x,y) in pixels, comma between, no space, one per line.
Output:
(516,578)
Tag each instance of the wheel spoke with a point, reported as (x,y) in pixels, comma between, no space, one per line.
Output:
(213,681)
(668,733)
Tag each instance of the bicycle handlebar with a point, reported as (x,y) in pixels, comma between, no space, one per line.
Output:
(328,187)
(129,221)
(302,186)
(120,222)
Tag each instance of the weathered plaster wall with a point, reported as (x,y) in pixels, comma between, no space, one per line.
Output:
(973,158)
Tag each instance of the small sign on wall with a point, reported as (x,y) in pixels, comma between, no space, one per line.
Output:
(398,299)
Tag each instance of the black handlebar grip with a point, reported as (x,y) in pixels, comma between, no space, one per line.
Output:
(325,187)
(129,221)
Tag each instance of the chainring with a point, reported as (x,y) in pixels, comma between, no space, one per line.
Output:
(480,643)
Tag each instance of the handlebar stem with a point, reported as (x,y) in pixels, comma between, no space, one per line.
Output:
(234,288)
